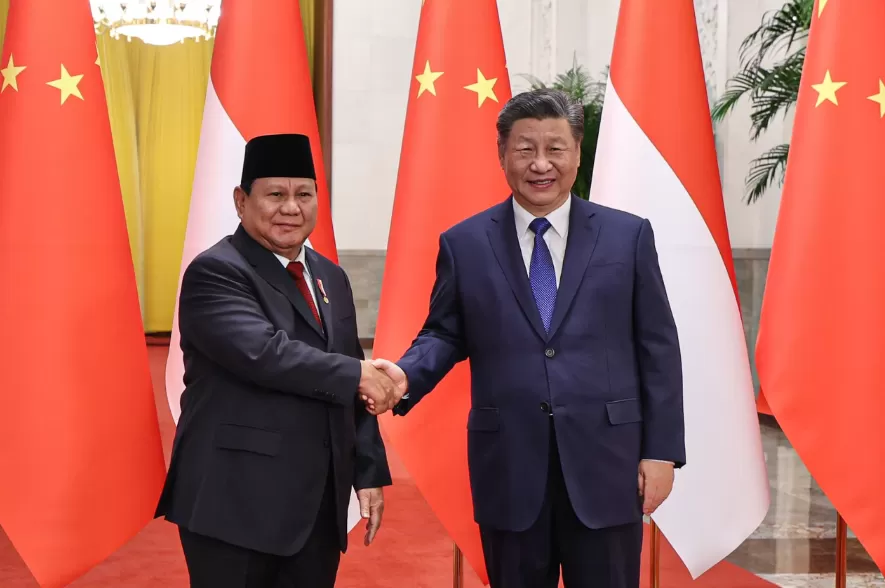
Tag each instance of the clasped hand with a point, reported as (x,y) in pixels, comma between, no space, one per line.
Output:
(382,385)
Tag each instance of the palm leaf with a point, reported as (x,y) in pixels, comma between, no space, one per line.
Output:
(776,93)
(778,31)
(771,61)
(765,170)
(746,81)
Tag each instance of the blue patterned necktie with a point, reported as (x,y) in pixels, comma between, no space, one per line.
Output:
(542,276)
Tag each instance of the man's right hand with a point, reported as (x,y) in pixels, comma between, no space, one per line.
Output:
(396,374)
(376,389)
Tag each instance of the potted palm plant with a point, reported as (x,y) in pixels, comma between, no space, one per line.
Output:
(771,63)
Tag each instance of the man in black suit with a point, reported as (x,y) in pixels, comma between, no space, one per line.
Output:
(272,436)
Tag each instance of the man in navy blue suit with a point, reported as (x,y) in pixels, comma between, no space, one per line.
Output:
(576,422)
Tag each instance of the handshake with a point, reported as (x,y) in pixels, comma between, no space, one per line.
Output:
(382,385)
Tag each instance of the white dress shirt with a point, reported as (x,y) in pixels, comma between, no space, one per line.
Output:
(555,237)
(307,277)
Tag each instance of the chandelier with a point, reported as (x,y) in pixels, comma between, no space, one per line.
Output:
(157,22)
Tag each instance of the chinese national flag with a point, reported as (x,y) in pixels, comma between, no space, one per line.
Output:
(81,462)
(448,171)
(822,334)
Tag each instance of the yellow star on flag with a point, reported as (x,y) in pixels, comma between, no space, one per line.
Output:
(820,7)
(427,79)
(826,90)
(880,98)
(67,84)
(484,88)
(10,73)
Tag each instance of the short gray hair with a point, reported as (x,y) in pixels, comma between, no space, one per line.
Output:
(540,104)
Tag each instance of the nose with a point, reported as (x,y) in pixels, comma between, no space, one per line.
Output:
(541,165)
(291,206)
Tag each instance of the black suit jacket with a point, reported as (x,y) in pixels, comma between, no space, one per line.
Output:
(270,401)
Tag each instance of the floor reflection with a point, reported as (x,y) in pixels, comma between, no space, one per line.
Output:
(796,543)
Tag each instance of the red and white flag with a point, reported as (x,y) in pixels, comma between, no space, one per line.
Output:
(656,158)
(257,43)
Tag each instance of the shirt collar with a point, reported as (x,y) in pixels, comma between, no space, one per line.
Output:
(558,218)
(301,257)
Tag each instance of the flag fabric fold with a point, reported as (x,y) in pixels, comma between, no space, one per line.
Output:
(459,84)
(656,158)
(80,452)
(822,327)
(259,84)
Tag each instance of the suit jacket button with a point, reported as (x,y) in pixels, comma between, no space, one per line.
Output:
(550,352)
(326,443)
(545,407)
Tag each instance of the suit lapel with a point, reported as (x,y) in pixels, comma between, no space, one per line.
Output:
(505,245)
(582,235)
(319,287)
(273,272)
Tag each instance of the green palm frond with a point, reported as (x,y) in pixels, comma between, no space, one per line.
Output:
(776,93)
(743,82)
(765,170)
(779,31)
(771,61)
(575,82)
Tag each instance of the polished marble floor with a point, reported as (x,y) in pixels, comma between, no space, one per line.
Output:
(795,546)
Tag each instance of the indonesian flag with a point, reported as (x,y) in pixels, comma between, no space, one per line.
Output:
(81,461)
(259,84)
(458,86)
(822,333)
(656,158)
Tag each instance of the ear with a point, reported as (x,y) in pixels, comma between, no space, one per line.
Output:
(240,201)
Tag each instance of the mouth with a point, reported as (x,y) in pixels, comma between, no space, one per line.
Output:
(541,184)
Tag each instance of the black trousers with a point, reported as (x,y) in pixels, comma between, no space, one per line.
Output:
(215,564)
(590,558)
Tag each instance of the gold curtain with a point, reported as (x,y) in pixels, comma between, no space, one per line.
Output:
(4,8)
(169,91)
(155,101)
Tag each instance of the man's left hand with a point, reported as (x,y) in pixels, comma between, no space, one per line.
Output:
(372,508)
(655,484)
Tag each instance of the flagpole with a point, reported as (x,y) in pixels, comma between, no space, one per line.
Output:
(655,557)
(322,72)
(457,567)
(841,552)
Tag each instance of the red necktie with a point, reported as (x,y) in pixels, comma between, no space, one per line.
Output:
(296,268)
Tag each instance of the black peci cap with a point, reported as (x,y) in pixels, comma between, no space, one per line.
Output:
(277,156)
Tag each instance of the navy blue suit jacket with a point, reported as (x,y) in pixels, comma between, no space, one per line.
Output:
(609,370)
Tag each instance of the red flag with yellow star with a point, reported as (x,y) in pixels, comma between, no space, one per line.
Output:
(459,84)
(81,462)
(822,333)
